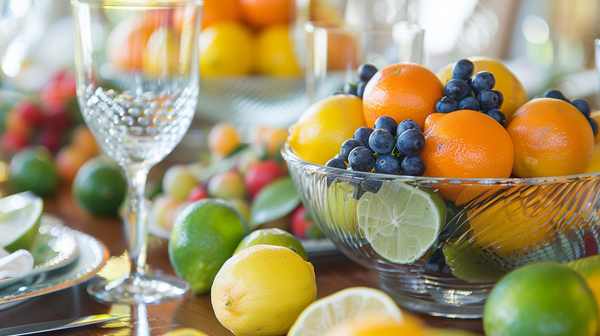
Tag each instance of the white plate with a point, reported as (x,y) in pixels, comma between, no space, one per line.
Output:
(54,248)
(91,258)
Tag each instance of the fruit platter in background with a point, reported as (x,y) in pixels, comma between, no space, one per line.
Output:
(444,183)
(250,176)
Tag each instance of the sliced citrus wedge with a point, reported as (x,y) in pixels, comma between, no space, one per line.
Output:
(401,221)
(19,220)
(324,314)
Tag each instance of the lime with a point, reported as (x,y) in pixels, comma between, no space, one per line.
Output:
(401,221)
(100,186)
(33,169)
(541,299)
(19,220)
(273,236)
(204,236)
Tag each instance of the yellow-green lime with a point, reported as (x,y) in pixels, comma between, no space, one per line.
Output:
(273,236)
(33,169)
(401,221)
(100,186)
(204,236)
(19,220)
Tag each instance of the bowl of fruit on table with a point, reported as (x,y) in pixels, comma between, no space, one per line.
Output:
(444,183)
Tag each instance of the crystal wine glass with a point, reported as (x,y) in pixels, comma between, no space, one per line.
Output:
(137,88)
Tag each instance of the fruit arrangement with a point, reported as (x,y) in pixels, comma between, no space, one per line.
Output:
(251,177)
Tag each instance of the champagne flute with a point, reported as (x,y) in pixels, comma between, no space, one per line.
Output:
(137,88)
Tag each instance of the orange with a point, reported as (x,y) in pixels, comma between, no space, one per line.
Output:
(506,82)
(466,144)
(82,139)
(378,324)
(127,43)
(402,91)
(220,10)
(551,138)
(68,161)
(261,13)
(594,166)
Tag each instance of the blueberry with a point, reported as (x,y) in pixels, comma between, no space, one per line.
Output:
(413,166)
(594,125)
(406,125)
(360,89)
(410,142)
(469,103)
(336,163)
(483,81)
(488,99)
(351,89)
(456,89)
(463,69)
(387,164)
(582,106)
(446,105)
(497,115)
(361,159)
(382,141)
(500,97)
(366,71)
(348,146)
(362,134)
(387,123)
(556,95)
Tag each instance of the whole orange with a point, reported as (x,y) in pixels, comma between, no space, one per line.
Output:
(127,43)
(402,91)
(551,138)
(220,10)
(261,13)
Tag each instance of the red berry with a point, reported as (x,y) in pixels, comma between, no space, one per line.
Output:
(50,138)
(30,113)
(57,116)
(197,193)
(262,174)
(300,222)
(13,141)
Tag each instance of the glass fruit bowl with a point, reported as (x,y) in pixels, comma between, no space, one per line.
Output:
(439,245)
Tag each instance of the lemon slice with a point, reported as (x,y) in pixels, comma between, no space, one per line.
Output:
(401,221)
(19,220)
(185,332)
(326,313)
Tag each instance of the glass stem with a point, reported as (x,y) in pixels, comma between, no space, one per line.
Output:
(136,225)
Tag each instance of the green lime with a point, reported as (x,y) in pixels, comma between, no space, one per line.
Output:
(204,236)
(401,221)
(33,169)
(541,299)
(273,236)
(100,186)
(19,220)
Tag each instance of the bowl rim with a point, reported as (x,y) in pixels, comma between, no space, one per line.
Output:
(289,156)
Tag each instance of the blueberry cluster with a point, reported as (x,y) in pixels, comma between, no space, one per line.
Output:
(582,105)
(468,92)
(366,71)
(389,148)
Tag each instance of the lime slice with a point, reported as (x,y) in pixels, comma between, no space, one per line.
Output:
(324,314)
(19,220)
(401,221)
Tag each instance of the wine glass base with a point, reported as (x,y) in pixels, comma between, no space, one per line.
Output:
(134,289)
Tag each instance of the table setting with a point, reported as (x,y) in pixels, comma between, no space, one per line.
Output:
(280,167)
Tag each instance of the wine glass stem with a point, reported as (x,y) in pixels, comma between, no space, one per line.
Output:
(135,216)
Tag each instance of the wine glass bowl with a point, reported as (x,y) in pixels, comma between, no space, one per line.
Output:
(137,88)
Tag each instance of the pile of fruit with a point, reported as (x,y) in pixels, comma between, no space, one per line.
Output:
(251,177)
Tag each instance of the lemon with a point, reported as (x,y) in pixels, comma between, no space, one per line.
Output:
(340,197)
(262,290)
(185,332)
(19,220)
(506,82)
(401,221)
(204,236)
(320,131)
(328,312)
(226,48)
(589,268)
(273,236)
(162,53)
(274,55)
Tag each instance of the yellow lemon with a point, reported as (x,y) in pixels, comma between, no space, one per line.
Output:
(274,52)
(185,332)
(162,52)
(262,289)
(506,82)
(226,48)
(319,133)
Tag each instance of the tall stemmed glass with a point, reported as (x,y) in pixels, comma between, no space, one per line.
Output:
(137,88)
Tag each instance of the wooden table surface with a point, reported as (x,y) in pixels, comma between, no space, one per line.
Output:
(332,274)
